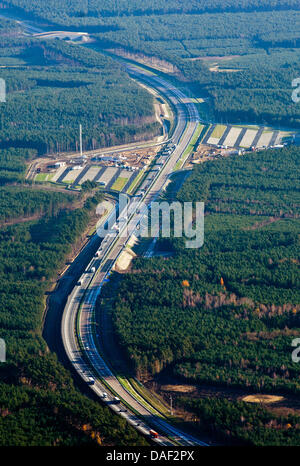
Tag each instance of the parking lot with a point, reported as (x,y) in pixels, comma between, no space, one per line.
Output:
(244,137)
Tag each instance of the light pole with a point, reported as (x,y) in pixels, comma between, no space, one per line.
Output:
(171,405)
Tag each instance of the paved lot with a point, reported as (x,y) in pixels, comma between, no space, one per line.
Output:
(90,174)
(248,138)
(232,137)
(242,137)
(265,139)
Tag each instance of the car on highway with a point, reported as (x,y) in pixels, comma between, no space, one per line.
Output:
(139,407)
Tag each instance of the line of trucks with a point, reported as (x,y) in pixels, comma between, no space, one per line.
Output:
(165,152)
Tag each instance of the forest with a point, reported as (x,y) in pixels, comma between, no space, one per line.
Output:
(235,60)
(39,403)
(259,93)
(241,56)
(44,100)
(224,314)
(243,424)
(12,164)
(66,11)
(48,85)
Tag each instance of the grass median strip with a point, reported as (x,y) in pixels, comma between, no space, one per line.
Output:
(136,182)
(190,147)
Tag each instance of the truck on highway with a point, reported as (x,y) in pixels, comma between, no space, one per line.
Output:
(91,381)
(93,269)
(117,400)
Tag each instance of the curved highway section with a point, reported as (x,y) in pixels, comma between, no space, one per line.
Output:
(82,343)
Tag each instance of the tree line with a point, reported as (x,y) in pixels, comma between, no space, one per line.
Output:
(39,403)
(225,314)
(43,104)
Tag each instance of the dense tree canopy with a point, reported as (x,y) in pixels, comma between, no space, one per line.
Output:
(39,404)
(46,103)
(244,423)
(67,10)
(226,313)
(258,39)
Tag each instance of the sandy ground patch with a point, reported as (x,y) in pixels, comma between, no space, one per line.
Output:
(214,141)
(124,260)
(248,138)
(265,140)
(217,69)
(132,241)
(90,174)
(259,398)
(214,58)
(179,388)
(232,137)
(58,173)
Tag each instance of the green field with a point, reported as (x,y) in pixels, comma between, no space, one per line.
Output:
(189,148)
(136,182)
(218,131)
(41,177)
(44,177)
(119,183)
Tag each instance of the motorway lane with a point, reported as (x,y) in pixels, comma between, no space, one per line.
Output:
(87,338)
(185,114)
(79,363)
(110,251)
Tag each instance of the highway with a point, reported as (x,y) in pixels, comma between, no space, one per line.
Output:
(81,341)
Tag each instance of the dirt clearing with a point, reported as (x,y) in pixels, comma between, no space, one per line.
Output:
(265,399)
(178,388)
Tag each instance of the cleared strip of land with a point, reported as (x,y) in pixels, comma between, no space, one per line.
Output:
(108,174)
(264,140)
(218,131)
(119,183)
(90,174)
(213,141)
(248,138)
(232,137)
